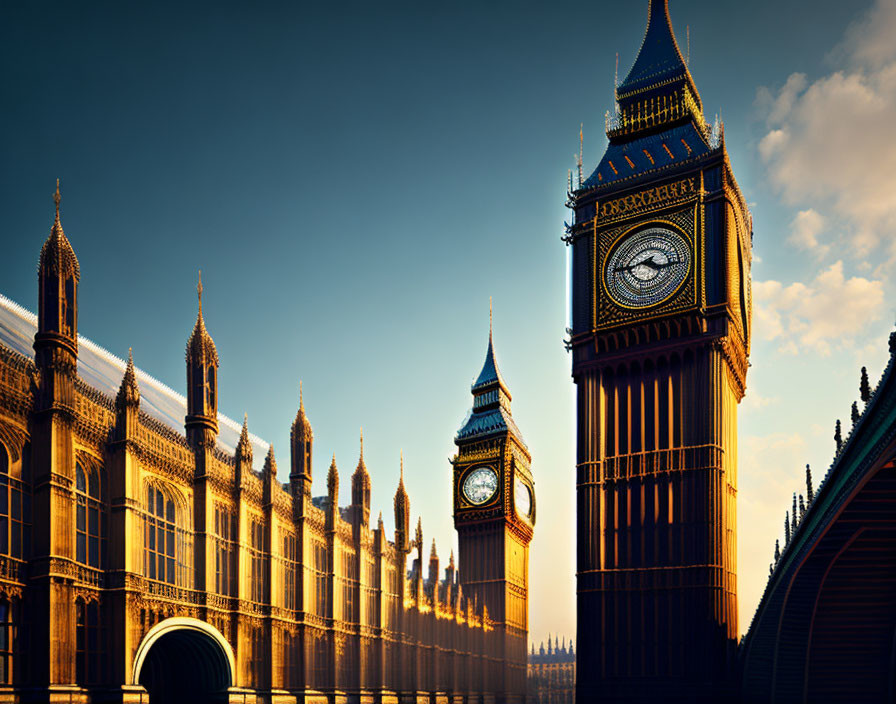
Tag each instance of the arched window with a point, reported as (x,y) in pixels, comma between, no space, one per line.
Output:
(90,521)
(160,536)
(7,634)
(15,512)
(88,642)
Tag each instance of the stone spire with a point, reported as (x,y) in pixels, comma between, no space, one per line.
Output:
(301,442)
(361,487)
(243,445)
(57,254)
(333,483)
(129,392)
(270,463)
(402,513)
(200,346)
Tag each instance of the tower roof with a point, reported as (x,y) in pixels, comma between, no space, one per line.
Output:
(491,401)
(659,60)
(57,254)
(490,374)
(200,343)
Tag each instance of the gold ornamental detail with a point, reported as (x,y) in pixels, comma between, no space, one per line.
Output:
(648,200)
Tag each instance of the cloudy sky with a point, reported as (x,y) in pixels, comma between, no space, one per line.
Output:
(356,182)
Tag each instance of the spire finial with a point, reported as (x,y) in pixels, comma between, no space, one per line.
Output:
(301,400)
(490,319)
(199,291)
(401,474)
(362,442)
(56,199)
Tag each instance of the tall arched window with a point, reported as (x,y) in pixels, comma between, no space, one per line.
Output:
(210,387)
(167,546)
(90,521)
(15,511)
(88,642)
(7,634)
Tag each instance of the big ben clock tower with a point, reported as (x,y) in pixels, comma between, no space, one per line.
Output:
(494,513)
(661,251)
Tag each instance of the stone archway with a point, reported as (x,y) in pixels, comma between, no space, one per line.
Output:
(184,660)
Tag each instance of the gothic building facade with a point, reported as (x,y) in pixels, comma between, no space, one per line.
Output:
(148,554)
(661,249)
(552,674)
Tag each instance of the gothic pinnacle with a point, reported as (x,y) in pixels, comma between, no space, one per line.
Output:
(333,478)
(129,391)
(200,346)
(270,464)
(57,253)
(243,445)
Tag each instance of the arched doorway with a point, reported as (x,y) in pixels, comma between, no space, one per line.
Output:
(184,661)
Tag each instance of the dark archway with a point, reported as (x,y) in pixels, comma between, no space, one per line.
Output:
(185,666)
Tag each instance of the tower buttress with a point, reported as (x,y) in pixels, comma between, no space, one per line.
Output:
(127,402)
(661,246)
(301,443)
(494,514)
(56,341)
(402,505)
(361,489)
(202,383)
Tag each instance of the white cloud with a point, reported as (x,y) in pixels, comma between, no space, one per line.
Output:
(804,232)
(830,142)
(829,312)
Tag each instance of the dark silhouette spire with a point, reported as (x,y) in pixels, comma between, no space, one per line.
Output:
(200,345)
(864,386)
(838,436)
(810,492)
(402,507)
(660,67)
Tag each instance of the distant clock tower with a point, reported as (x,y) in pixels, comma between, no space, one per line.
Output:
(661,250)
(494,513)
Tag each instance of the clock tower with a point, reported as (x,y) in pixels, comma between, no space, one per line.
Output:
(494,513)
(661,249)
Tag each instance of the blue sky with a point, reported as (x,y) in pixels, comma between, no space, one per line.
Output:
(355,182)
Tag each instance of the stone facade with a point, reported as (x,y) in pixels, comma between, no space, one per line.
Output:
(139,561)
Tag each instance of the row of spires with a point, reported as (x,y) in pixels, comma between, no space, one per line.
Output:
(59,273)
(801,504)
(554,647)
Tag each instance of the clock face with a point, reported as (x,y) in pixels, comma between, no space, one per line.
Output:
(647,267)
(522,498)
(480,485)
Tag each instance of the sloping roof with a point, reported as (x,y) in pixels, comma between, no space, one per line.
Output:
(493,420)
(490,373)
(659,59)
(643,155)
(103,371)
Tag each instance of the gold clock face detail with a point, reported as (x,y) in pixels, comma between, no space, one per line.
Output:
(480,485)
(647,267)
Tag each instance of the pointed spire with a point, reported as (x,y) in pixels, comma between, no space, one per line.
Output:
(786,528)
(333,479)
(810,492)
(129,391)
(57,254)
(361,468)
(777,551)
(854,414)
(433,554)
(659,60)
(243,445)
(270,464)
(490,374)
(838,436)
(379,521)
(864,386)
(200,345)
(451,559)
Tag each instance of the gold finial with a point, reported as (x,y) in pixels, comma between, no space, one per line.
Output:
(401,474)
(56,198)
(301,400)
(199,290)
(362,443)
